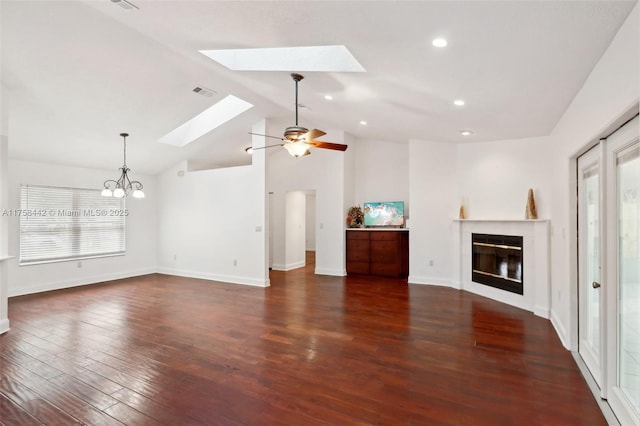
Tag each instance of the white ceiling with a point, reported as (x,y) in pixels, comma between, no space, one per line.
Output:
(75,74)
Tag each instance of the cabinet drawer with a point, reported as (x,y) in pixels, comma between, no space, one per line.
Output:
(384,251)
(357,267)
(357,235)
(384,235)
(358,250)
(385,269)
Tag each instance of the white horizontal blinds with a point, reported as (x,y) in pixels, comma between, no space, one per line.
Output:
(69,223)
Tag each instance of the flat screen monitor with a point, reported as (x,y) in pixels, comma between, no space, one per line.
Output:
(385,213)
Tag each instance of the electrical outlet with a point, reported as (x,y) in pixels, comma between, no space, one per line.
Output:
(235,262)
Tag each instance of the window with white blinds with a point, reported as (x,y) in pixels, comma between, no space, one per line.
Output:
(58,224)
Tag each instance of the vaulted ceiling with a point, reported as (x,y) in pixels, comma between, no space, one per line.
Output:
(75,74)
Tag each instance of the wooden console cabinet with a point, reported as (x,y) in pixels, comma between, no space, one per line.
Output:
(378,252)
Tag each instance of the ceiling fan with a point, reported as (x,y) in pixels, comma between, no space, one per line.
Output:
(298,140)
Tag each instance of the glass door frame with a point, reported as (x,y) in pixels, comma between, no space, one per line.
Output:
(595,361)
(619,142)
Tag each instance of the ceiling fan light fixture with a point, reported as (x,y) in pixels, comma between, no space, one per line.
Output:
(297,149)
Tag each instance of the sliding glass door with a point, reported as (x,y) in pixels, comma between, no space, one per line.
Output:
(589,290)
(609,269)
(623,272)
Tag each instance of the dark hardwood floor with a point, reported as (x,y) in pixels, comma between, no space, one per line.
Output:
(308,350)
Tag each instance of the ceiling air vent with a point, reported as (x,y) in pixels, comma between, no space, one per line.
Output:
(125,4)
(204,91)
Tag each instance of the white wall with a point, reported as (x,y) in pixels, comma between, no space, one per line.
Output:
(310,222)
(382,172)
(494,178)
(433,190)
(212,223)
(323,172)
(295,211)
(4,233)
(611,90)
(141,231)
(4,200)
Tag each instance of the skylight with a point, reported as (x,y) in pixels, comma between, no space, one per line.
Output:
(209,119)
(309,58)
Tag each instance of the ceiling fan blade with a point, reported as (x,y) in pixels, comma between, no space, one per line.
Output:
(312,134)
(329,145)
(267,136)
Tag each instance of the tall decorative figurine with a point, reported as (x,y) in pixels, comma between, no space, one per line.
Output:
(531,212)
(462,213)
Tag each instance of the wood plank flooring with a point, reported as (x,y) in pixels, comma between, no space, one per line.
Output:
(309,350)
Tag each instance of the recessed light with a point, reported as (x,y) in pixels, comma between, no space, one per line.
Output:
(466,132)
(364,123)
(439,42)
(328,97)
(458,102)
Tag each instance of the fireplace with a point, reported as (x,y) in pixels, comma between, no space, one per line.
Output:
(497,261)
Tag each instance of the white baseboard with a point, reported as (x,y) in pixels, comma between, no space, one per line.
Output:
(232,279)
(413,279)
(560,330)
(541,312)
(332,272)
(4,325)
(288,266)
(59,285)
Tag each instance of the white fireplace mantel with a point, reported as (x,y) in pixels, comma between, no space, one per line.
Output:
(535,263)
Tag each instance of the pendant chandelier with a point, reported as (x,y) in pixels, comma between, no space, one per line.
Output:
(123,186)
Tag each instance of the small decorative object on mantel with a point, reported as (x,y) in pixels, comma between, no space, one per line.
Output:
(462,214)
(355,217)
(531,212)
